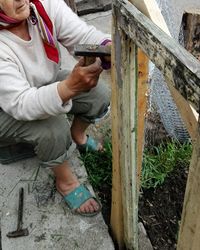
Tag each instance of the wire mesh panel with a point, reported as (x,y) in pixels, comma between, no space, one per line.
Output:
(160,95)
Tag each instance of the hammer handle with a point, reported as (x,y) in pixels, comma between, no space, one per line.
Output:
(20,208)
(89,60)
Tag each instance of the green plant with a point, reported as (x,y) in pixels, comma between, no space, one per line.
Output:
(99,166)
(157,163)
(160,161)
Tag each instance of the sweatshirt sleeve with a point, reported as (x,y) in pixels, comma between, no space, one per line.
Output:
(71,30)
(24,102)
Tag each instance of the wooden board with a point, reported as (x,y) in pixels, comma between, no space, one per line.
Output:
(179,67)
(189,234)
(117,223)
(143,72)
(151,9)
(191,31)
(124,214)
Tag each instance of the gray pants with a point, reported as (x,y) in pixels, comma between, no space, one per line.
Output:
(51,137)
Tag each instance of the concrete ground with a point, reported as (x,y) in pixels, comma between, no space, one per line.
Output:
(50,223)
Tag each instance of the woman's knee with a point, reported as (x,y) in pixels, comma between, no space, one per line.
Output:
(100,101)
(93,104)
(53,139)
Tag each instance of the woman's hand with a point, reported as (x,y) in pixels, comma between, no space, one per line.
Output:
(81,79)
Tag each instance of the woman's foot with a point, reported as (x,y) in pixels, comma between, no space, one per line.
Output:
(66,182)
(90,145)
(84,142)
(90,206)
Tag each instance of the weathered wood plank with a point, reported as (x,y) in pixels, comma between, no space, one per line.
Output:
(143,72)
(117,224)
(151,9)
(179,67)
(189,234)
(124,133)
(129,152)
(186,112)
(191,32)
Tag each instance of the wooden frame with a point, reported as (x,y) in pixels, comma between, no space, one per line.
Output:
(151,9)
(179,67)
(181,71)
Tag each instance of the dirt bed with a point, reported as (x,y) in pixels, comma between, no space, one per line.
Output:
(160,210)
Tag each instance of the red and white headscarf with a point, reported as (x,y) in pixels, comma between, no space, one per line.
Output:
(39,17)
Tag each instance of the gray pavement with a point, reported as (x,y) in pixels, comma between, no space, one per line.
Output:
(50,223)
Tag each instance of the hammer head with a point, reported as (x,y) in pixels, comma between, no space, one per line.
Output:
(92,50)
(18,233)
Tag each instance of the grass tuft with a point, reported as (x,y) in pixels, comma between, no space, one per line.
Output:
(157,163)
(99,166)
(160,161)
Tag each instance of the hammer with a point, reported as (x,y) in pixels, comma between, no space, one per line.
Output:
(20,231)
(91,51)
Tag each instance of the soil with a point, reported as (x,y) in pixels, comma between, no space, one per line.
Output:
(159,209)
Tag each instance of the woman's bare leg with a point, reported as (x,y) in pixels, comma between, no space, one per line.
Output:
(78,129)
(78,133)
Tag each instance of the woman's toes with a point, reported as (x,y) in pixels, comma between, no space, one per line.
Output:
(89,206)
(92,209)
(84,208)
(94,204)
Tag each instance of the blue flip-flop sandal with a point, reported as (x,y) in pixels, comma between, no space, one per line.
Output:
(90,146)
(78,197)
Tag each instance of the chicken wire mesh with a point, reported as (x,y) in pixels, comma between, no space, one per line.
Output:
(160,96)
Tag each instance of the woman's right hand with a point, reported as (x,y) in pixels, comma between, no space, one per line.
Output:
(82,79)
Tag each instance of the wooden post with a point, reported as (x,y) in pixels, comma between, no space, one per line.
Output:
(189,234)
(124,214)
(192,32)
(117,225)
(188,115)
(129,154)
(143,71)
